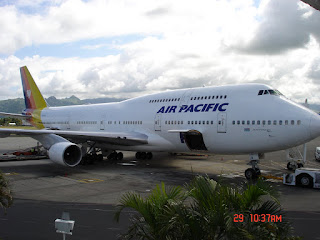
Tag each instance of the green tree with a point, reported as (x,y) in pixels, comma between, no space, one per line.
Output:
(205,209)
(6,199)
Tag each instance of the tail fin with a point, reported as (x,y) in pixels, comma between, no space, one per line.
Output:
(32,96)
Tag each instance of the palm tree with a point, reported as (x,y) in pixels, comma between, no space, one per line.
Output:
(6,199)
(205,209)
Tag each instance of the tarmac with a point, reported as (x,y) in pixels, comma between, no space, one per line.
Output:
(43,190)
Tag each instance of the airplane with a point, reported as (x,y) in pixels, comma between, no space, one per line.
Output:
(234,119)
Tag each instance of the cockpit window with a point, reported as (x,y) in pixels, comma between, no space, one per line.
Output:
(270,92)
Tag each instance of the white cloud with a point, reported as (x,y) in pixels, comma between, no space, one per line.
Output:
(182,44)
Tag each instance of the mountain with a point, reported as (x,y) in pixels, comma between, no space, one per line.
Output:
(17,105)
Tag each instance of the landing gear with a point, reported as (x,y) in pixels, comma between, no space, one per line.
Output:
(253,172)
(144,155)
(115,156)
(89,153)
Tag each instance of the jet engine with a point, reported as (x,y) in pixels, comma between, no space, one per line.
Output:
(65,153)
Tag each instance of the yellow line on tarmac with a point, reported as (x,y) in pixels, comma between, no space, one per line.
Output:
(91,180)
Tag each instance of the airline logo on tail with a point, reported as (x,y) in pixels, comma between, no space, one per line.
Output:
(33,97)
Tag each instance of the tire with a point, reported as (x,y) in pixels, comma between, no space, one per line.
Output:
(250,174)
(119,156)
(305,180)
(149,155)
(138,155)
(143,155)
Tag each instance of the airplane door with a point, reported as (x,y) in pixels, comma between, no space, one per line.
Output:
(157,122)
(185,98)
(102,124)
(222,122)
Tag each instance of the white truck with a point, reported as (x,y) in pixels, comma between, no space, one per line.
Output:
(304,177)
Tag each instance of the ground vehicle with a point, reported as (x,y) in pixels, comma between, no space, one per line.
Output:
(304,177)
(317,154)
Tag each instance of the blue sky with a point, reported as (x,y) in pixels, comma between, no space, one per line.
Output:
(117,48)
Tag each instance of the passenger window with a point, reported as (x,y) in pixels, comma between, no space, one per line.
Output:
(188,122)
(199,122)
(201,98)
(238,122)
(269,122)
(209,97)
(220,97)
(205,97)
(286,122)
(207,122)
(274,122)
(181,122)
(198,98)
(280,122)
(292,122)
(299,122)
(264,122)
(233,122)
(225,96)
(195,122)
(211,122)
(253,122)
(217,97)
(260,92)
(258,122)
(243,122)
(248,122)
(191,122)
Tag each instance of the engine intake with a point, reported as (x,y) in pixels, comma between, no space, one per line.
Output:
(65,153)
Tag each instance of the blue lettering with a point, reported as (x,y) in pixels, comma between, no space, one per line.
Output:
(183,107)
(190,109)
(161,110)
(204,107)
(173,109)
(220,107)
(209,106)
(215,107)
(196,108)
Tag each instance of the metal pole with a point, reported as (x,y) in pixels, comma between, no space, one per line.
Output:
(304,153)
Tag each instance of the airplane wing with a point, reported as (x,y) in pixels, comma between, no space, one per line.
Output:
(14,115)
(114,138)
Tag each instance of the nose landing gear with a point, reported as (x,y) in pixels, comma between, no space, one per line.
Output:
(253,172)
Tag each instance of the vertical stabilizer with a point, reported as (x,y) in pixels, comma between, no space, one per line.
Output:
(32,96)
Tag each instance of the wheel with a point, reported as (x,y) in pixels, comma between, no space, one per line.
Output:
(143,155)
(305,180)
(119,156)
(250,174)
(149,155)
(112,156)
(138,155)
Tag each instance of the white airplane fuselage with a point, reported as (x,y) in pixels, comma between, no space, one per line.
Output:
(231,119)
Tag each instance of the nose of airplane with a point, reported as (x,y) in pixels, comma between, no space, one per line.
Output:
(314,126)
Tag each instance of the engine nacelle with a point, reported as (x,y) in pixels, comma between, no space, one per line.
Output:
(65,153)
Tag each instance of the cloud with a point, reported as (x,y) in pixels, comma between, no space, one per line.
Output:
(176,44)
(285,25)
